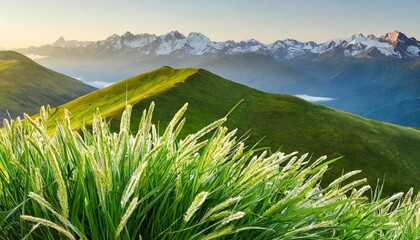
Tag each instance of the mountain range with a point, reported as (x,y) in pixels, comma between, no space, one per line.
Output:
(273,120)
(394,44)
(26,85)
(374,77)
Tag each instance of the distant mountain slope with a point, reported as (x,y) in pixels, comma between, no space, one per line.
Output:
(260,72)
(384,89)
(25,86)
(279,121)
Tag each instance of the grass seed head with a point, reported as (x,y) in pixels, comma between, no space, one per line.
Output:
(195,205)
(233,217)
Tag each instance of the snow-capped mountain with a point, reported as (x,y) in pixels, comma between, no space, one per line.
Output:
(358,43)
(394,44)
(402,44)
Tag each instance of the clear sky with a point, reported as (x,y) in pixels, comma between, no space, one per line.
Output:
(36,22)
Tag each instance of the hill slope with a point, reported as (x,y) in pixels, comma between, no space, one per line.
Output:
(25,86)
(279,120)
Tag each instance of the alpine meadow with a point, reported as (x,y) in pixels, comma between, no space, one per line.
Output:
(208,120)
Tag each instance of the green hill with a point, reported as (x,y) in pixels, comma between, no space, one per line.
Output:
(26,85)
(279,121)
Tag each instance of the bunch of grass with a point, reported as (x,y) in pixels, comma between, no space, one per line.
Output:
(96,184)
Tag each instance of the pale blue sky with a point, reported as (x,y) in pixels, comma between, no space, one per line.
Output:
(36,22)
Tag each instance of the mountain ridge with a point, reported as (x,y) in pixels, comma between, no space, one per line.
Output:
(274,120)
(394,44)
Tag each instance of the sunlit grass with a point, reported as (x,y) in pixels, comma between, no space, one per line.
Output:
(96,184)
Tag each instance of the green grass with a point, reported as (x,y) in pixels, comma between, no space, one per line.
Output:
(112,100)
(101,184)
(25,86)
(276,121)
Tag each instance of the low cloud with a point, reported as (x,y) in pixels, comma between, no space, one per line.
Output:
(99,84)
(35,57)
(314,98)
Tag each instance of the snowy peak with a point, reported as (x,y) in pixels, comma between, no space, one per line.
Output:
(173,35)
(63,43)
(406,47)
(200,44)
(251,41)
(358,44)
(137,41)
(127,34)
(357,38)
(359,35)
(394,37)
(249,45)
(60,41)
(198,37)
(113,37)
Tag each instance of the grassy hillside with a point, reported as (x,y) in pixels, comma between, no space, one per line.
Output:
(279,121)
(25,86)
